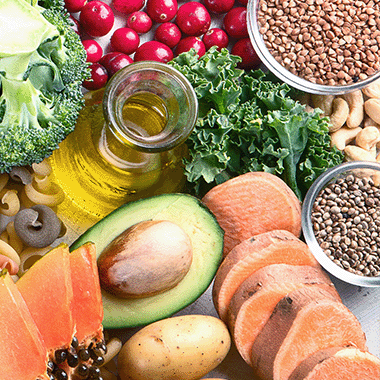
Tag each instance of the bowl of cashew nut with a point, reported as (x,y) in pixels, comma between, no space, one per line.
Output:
(354,121)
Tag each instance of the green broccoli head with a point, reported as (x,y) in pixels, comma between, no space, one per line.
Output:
(42,67)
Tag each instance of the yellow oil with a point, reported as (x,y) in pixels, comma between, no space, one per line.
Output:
(98,173)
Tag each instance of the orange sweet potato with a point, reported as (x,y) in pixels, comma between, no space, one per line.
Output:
(338,363)
(255,299)
(305,321)
(273,247)
(251,204)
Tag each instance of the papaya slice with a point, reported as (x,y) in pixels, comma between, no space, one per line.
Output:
(87,294)
(62,292)
(47,290)
(22,344)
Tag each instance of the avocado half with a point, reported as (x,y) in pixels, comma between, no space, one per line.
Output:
(207,240)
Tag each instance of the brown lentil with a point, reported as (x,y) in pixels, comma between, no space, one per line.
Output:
(327,42)
(346,225)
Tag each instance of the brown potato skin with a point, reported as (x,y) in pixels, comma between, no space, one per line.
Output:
(148,258)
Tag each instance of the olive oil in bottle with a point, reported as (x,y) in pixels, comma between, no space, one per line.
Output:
(126,146)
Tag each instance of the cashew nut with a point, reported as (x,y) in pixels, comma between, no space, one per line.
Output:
(368,122)
(372,109)
(355,153)
(323,102)
(339,115)
(344,136)
(367,138)
(355,102)
(372,90)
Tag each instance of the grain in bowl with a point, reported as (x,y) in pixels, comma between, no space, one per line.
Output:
(328,43)
(341,222)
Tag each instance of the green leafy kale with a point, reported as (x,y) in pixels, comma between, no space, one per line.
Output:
(42,67)
(250,122)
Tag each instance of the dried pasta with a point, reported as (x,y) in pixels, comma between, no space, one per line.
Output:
(13,240)
(10,202)
(3,180)
(54,197)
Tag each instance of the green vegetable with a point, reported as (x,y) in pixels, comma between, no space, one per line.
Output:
(250,122)
(42,67)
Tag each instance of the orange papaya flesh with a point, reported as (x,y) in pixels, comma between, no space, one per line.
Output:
(62,292)
(87,294)
(22,344)
(47,290)
(87,302)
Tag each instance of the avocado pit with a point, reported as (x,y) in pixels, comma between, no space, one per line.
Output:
(146,259)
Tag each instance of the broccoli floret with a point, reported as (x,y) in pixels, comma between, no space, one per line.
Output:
(42,67)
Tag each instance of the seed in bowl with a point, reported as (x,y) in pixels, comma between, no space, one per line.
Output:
(346,223)
(325,42)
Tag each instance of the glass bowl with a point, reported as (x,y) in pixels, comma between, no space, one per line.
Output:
(351,203)
(285,75)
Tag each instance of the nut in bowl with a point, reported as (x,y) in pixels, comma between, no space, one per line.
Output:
(317,46)
(341,222)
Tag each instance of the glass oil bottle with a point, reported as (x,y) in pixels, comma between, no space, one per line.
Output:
(128,143)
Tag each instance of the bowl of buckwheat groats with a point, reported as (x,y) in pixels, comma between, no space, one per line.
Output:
(341,222)
(318,46)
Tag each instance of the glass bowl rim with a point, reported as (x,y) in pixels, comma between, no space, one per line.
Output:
(307,226)
(285,75)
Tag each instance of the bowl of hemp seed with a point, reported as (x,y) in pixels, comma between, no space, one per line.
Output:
(341,222)
(318,46)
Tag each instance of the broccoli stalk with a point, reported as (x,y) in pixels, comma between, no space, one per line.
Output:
(42,67)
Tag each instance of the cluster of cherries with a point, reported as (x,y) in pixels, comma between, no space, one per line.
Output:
(175,29)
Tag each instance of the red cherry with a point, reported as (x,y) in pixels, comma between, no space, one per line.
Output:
(125,40)
(140,22)
(191,42)
(244,49)
(96,18)
(153,51)
(168,33)
(99,77)
(93,50)
(215,37)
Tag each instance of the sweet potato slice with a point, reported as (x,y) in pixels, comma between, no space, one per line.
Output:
(273,247)
(338,363)
(305,321)
(251,204)
(255,299)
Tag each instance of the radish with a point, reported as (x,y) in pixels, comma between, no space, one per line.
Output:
(193,18)
(191,42)
(235,22)
(115,61)
(125,40)
(140,22)
(153,51)
(161,10)
(219,6)
(96,18)
(99,77)
(93,50)
(244,49)
(215,37)
(74,6)
(128,6)
(168,33)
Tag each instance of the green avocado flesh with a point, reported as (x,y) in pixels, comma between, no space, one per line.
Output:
(207,241)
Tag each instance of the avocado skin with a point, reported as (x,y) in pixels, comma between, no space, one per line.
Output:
(207,240)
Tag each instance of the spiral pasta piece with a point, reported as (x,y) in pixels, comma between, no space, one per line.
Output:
(10,202)
(113,348)
(3,180)
(13,239)
(7,250)
(51,199)
(9,264)
(42,169)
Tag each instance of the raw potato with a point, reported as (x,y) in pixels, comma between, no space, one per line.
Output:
(178,348)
